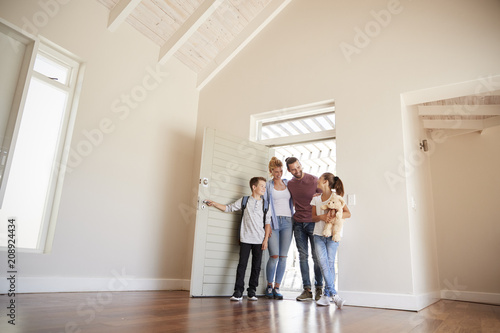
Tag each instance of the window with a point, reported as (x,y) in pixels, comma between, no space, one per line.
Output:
(306,132)
(43,134)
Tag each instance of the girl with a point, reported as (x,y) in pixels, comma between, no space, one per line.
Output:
(326,248)
(281,210)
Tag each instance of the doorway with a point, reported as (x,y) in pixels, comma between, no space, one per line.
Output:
(316,158)
(307,132)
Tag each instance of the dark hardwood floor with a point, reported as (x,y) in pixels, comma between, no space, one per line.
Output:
(175,311)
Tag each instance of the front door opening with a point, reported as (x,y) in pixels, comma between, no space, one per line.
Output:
(316,158)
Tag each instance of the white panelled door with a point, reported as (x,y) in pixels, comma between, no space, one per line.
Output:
(227,164)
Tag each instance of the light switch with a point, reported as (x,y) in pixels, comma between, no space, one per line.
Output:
(351,199)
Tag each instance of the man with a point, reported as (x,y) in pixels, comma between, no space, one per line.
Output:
(303,186)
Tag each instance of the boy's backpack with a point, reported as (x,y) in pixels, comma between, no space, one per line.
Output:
(265,208)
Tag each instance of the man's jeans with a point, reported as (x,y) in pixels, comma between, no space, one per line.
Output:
(303,232)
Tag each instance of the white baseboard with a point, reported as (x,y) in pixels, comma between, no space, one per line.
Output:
(469,296)
(67,284)
(390,301)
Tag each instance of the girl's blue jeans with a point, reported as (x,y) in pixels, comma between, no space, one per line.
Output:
(326,250)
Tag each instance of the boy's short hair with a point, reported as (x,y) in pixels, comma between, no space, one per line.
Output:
(255,181)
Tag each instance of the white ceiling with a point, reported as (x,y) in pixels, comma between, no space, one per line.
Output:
(203,34)
(461,115)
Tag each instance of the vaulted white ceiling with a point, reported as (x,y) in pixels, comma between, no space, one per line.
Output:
(203,34)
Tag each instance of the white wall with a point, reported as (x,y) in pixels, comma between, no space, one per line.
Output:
(120,204)
(420,206)
(466,186)
(11,59)
(298,59)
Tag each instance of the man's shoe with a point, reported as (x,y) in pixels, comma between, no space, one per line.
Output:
(276,294)
(318,293)
(269,292)
(237,296)
(305,296)
(323,301)
(338,301)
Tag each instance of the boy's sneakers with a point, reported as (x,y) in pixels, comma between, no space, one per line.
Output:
(323,301)
(305,296)
(269,292)
(318,293)
(277,294)
(237,296)
(251,296)
(338,301)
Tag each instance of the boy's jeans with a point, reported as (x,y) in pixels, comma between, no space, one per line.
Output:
(303,232)
(326,250)
(245,249)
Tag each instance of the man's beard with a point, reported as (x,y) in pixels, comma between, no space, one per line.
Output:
(299,176)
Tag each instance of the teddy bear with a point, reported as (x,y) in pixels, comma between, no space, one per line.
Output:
(334,220)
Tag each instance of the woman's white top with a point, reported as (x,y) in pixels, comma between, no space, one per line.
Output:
(281,200)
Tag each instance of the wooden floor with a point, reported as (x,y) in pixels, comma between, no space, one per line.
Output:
(175,311)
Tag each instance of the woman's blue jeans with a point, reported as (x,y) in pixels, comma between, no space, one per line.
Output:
(278,245)
(326,250)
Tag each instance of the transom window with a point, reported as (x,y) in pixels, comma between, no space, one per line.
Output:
(306,132)
(298,126)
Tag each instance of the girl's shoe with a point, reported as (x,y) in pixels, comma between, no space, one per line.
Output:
(276,294)
(323,301)
(339,302)
(269,292)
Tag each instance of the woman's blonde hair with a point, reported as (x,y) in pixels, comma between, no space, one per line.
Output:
(274,163)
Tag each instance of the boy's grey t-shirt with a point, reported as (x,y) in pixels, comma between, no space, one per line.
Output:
(252,227)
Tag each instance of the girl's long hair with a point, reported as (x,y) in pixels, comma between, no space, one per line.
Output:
(334,182)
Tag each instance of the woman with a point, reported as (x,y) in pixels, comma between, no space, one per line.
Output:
(281,209)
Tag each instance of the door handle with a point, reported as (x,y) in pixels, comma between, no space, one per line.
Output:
(204,203)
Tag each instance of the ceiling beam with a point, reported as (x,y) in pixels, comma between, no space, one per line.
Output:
(447,133)
(188,28)
(462,124)
(479,87)
(491,122)
(459,110)
(120,12)
(453,124)
(252,29)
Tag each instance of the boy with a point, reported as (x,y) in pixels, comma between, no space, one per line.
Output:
(253,236)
